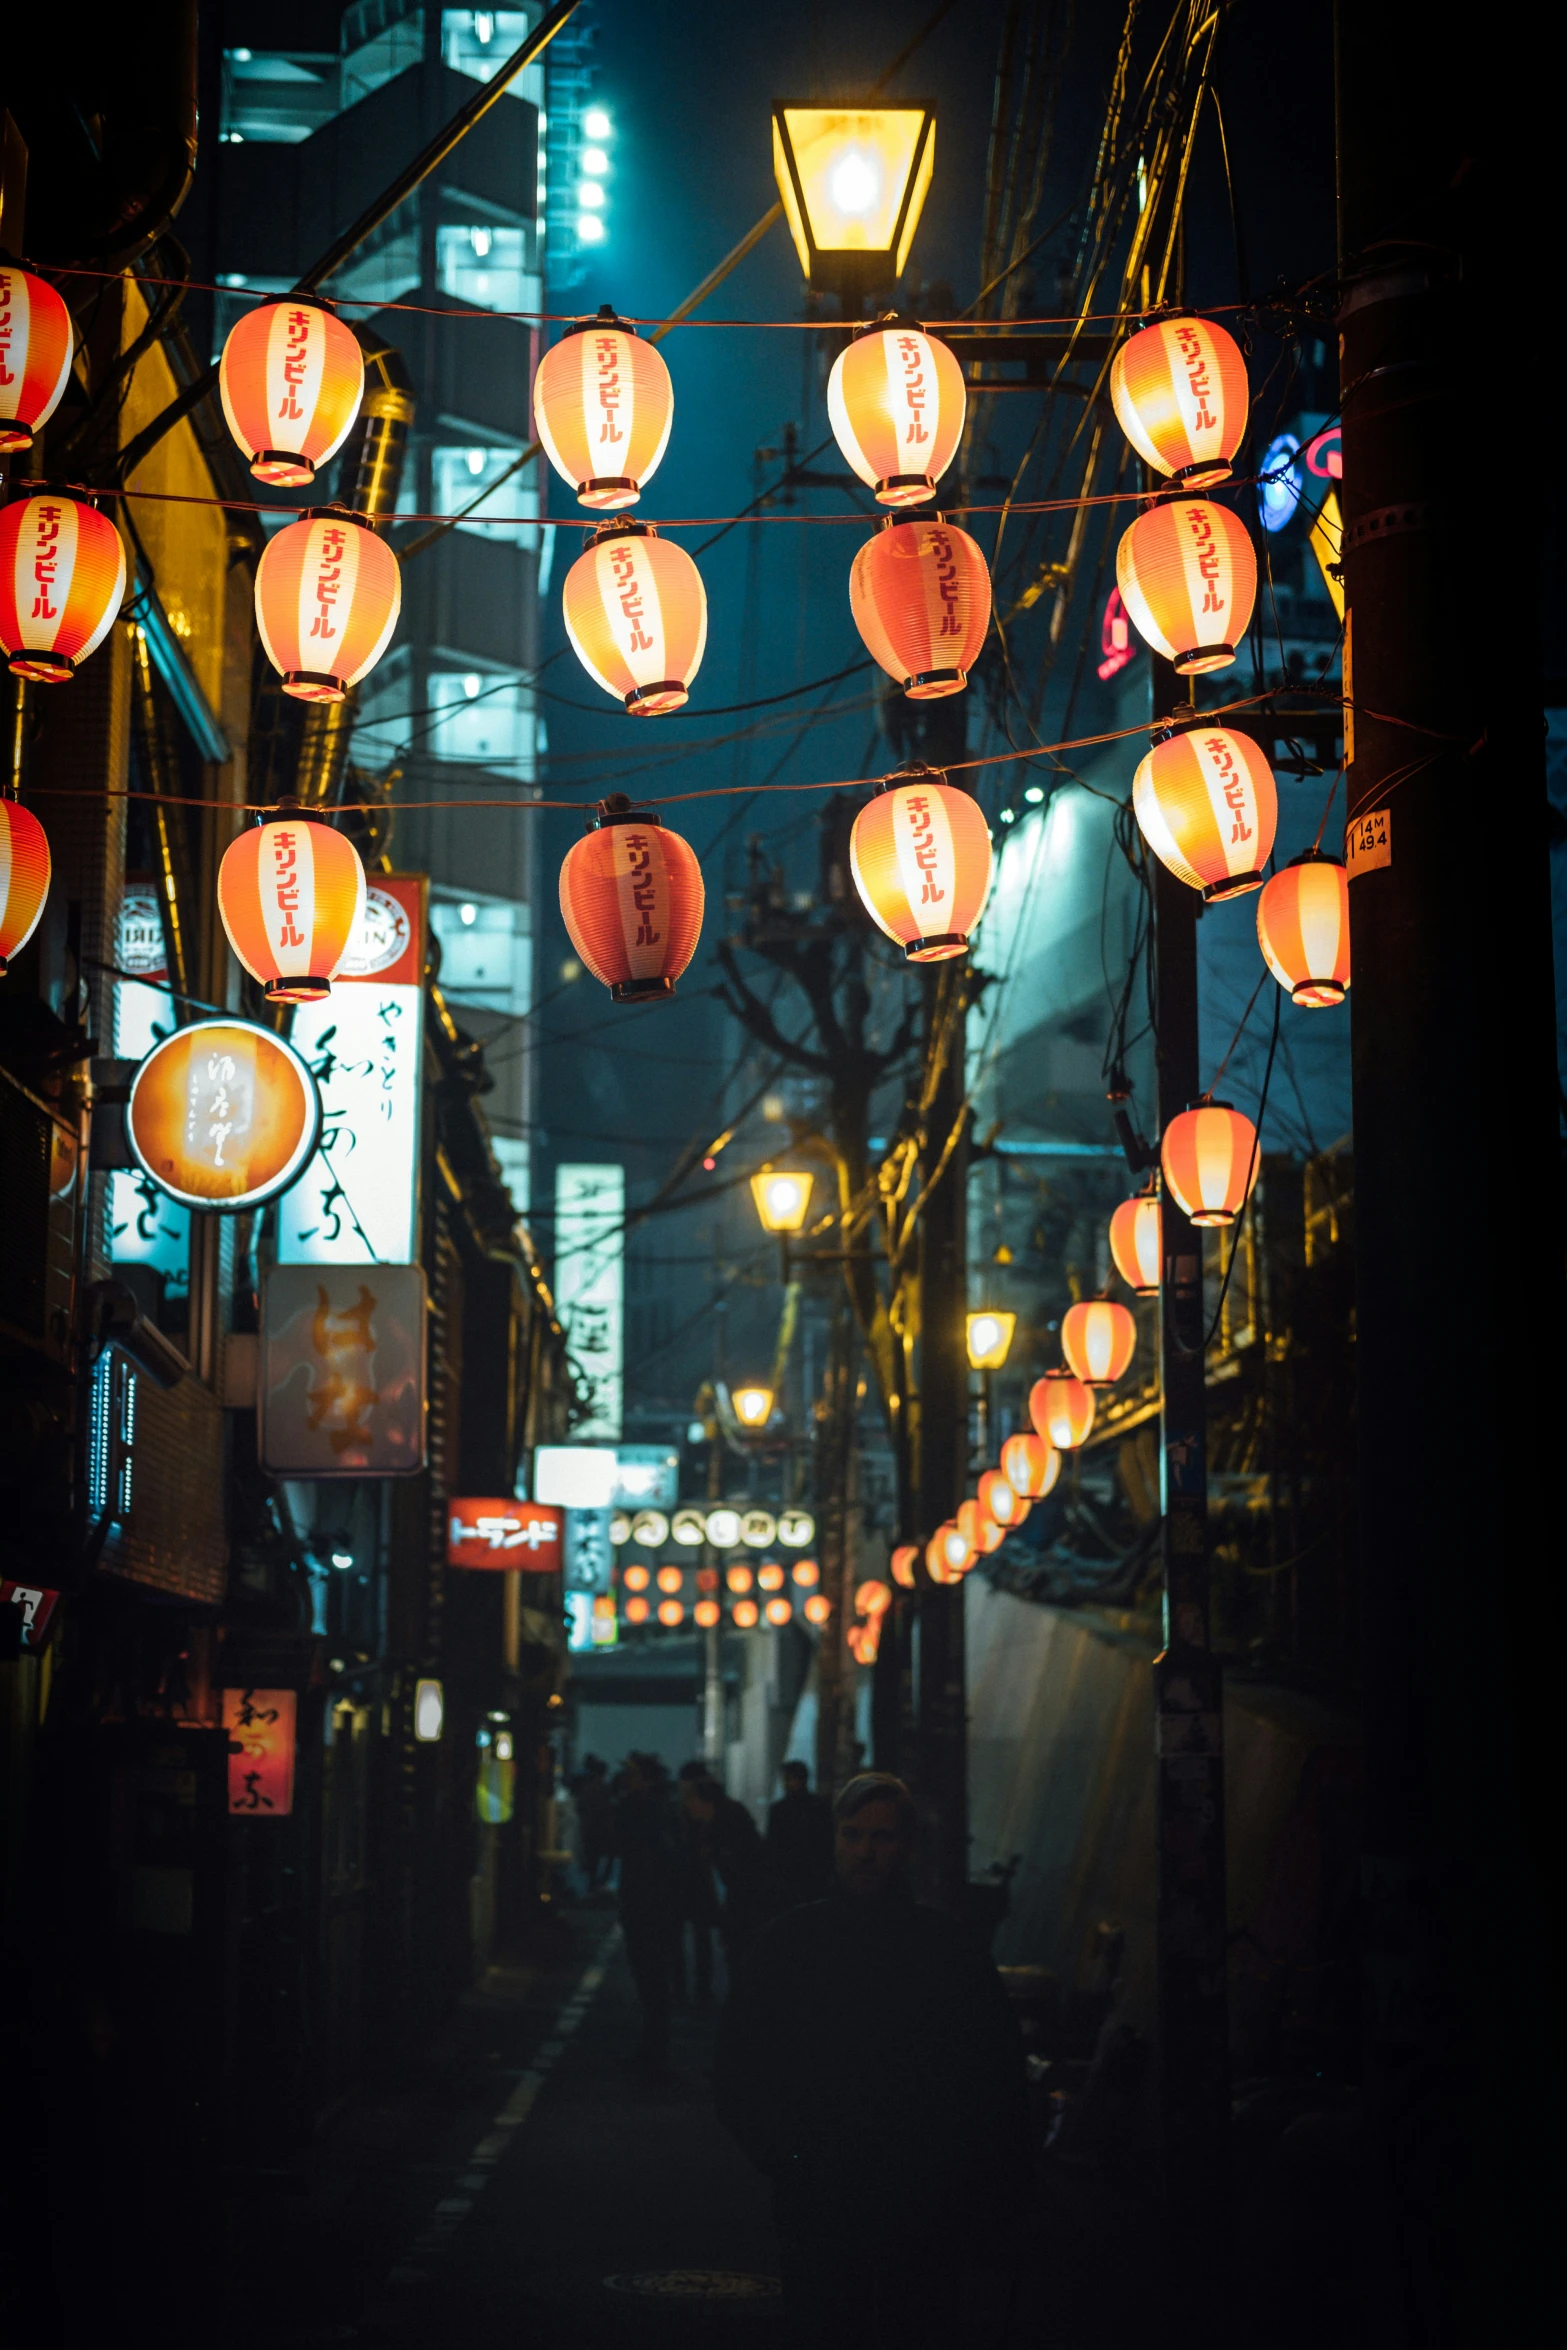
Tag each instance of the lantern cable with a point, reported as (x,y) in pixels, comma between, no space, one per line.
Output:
(1256,1153)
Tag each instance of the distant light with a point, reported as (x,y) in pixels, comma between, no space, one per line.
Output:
(708,1165)
(1009,815)
(696,1433)
(753,1406)
(342,1558)
(475,461)
(1033,795)
(470,686)
(590,229)
(481,241)
(669,1580)
(597,123)
(236,277)
(723,1528)
(591,196)
(575,1476)
(595,162)
(235,138)
(990,1338)
(503,1746)
(483,27)
(467,916)
(571,969)
(1277,500)
(240,56)
(855,182)
(429,1711)
(782,1199)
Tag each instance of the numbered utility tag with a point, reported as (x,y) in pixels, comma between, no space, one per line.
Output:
(1368,842)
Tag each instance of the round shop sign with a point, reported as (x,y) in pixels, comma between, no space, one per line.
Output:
(382,938)
(223,1115)
(796,1528)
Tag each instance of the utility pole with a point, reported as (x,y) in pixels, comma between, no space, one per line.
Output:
(1455,1102)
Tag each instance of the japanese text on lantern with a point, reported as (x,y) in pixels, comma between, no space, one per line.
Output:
(329,578)
(285,876)
(623,565)
(926,853)
(1189,344)
(46,561)
(911,352)
(607,353)
(1207,557)
(296,353)
(7,329)
(261,1725)
(644,888)
(1230,783)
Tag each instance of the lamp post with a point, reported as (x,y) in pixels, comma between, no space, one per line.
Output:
(853,181)
(783,1200)
(989,1334)
(753,1406)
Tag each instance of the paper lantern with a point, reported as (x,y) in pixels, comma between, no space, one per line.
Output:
(896,402)
(1061,1407)
(1303,929)
(1210,1160)
(1206,804)
(1030,1466)
(35,354)
(291,894)
(873,1598)
(979,1530)
(770,1577)
(920,856)
(671,1612)
(744,1615)
(706,1613)
(817,1608)
(806,1573)
(24,878)
(1136,1243)
(1001,1501)
(1188,579)
(1098,1339)
(902,1565)
(948,1554)
(1180,396)
(636,1578)
(291,379)
(631,896)
(636,614)
(328,593)
(603,405)
(670,1581)
(62,576)
(920,595)
(779,1611)
(739,1580)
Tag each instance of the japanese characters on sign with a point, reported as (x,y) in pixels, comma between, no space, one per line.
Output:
(260,1724)
(590,1247)
(223,1115)
(341,1383)
(503,1533)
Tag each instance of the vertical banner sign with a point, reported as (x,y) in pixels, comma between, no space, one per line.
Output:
(357,1202)
(260,1724)
(590,1254)
(340,1387)
(146,1227)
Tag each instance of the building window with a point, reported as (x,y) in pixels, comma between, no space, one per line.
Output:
(486,951)
(486,267)
(457,477)
(484,720)
(375,50)
(478,41)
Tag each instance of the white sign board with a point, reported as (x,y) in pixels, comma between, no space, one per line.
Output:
(340,1388)
(355,1204)
(590,1253)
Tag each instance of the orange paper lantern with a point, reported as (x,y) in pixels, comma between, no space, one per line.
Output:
(670,1581)
(1303,929)
(744,1615)
(807,1573)
(1000,1501)
(1206,804)
(636,1578)
(631,896)
(770,1577)
(779,1611)
(920,856)
(896,401)
(637,1611)
(1180,396)
(1210,1160)
(671,1613)
(1136,1243)
(1188,579)
(291,893)
(1030,1466)
(328,593)
(902,1565)
(948,1554)
(1098,1339)
(35,354)
(24,878)
(739,1580)
(1061,1407)
(873,1598)
(978,1529)
(706,1613)
(62,577)
(603,405)
(636,614)
(817,1608)
(291,379)
(920,595)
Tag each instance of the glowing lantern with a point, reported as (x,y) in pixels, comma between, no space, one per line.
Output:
(1210,1160)
(603,405)
(1000,1501)
(895,400)
(291,893)
(902,1565)
(671,1613)
(781,1199)
(62,575)
(328,593)
(920,856)
(989,1336)
(978,1529)
(24,878)
(636,614)
(779,1611)
(873,1599)
(753,1406)
(744,1615)
(948,1554)
(739,1580)
(706,1613)
(1030,1466)
(817,1608)
(1098,1339)
(1061,1407)
(637,1611)
(1136,1243)
(1188,579)
(1303,929)
(807,1573)
(920,595)
(1180,396)
(669,1580)
(35,355)
(631,896)
(636,1578)
(771,1577)
(291,379)
(1206,804)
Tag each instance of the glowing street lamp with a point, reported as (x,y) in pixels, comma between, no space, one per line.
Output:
(990,1339)
(753,1406)
(783,1200)
(853,182)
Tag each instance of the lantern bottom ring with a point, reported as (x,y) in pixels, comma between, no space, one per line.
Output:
(1206,474)
(314,685)
(937,948)
(607,491)
(1317,995)
(1234,885)
(283,469)
(650,701)
(308,990)
(42,668)
(905,489)
(1211,1219)
(1202,658)
(640,991)
(14,435)
(929,684)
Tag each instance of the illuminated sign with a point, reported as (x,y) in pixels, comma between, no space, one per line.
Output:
(590,1249)
(260,1724)
(723,1528)
(647,1477)
(340,1386)
(523,1534)
(588,1552)
(757,1529)
(796,1528)
(591,1621)
(1115,637)
(688,1527)
(575,1476)
(1278,498)
(1325,455)
(650,1528)
(223,1115)
(26,1613)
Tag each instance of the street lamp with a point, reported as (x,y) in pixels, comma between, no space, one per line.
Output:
(782,1201)
(753,1406)
(853,182)
(990,1339)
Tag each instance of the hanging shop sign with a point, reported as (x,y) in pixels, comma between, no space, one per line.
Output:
(796,1529)
(588,1552)
(26,1617)
(223,1115)
(261,1725)
(341,1385)
(357,1203)
(590,1253)
(647,1477)
(501,1533)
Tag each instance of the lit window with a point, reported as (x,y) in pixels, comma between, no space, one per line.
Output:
(590,229)
(597,123)
(595,162)
(591,196)
(487,267)
(508,514)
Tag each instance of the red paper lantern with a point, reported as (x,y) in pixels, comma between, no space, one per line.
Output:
(979,1530)
(1136,1243)
(896,401)
(920,595)
(1061,1407)
(24,878)
(636,614)
(1303,929)
(1030,1466)
(948,1554)
(631,896)
(1098,1339)
(902,1565)
(1180,396)
(328,593)
(1188,579)
(1000,1500)
(291,378)
(35,354)
(1210,1160)
(603,405)
(62,577)
(291,893)
(920,856)
(1206,804)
